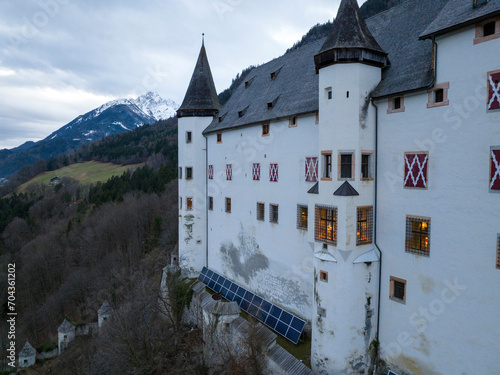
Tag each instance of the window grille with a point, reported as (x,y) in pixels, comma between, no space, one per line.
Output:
(325,224)
(418,235)
(260,211)
(397,289)
(365,225)
(302,216)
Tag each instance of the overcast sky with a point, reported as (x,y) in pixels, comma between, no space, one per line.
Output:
(63,58)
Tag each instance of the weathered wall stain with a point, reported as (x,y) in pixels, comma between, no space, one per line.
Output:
(246,259)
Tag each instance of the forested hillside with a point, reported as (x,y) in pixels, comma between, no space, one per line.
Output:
(154,145)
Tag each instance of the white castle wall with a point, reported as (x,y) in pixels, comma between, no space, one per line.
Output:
(449,323)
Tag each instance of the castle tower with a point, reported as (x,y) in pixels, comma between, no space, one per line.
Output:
(27,356)
(66,334)
(104,313)
(344,319)
(199,107)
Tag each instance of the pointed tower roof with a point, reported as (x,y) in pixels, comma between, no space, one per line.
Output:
(350,40)
(66,326)
(105,308)
(27,350)
(201,97)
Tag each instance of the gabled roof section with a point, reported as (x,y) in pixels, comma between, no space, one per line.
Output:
(350,40)
(460,13)
(397,30)
(346,190)
(27,350)
(201,97)
(296,85)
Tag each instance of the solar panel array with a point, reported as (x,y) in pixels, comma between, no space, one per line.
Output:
(281,321)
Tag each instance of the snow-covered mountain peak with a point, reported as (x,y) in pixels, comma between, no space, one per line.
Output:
(154,105)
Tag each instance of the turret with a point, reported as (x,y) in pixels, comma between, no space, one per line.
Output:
(198,108)
(349,66)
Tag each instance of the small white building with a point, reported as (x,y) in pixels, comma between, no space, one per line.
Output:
(354,183)
(104,313)
(66,334)
(27,356)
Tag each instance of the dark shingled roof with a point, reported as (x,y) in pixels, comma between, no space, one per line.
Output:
(314,189)
(201,97)
(397,30)
(27,350)
(296,85)
(66,326)
(346,190)
(350,40)
(460,13)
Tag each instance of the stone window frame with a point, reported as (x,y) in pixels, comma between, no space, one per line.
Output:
(339,165)
(431,102)
(391,104)
(371,167)
(273,213)
(266,125)
(323,276)
(326,174)
(392,289)
(480,38)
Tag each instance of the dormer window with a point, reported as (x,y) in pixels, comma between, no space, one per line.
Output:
(242,112)
(270,105)
(221,118)
(478,3)
(274,74)
(249,82)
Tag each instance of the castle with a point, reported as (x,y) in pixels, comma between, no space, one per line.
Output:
(349,190)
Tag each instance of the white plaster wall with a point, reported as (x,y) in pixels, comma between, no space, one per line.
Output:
(449,324)
(273,260)
(63,342)
(347,124)
(192,243)
(30,361)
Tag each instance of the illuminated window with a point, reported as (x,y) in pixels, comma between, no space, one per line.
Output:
(273,213)
(326,224)
(260,211)
(228,205)
(397,289)
(189,204)
(302,216)
(418,232)
(365,225)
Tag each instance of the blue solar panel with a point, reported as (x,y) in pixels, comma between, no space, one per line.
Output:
(283,322)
